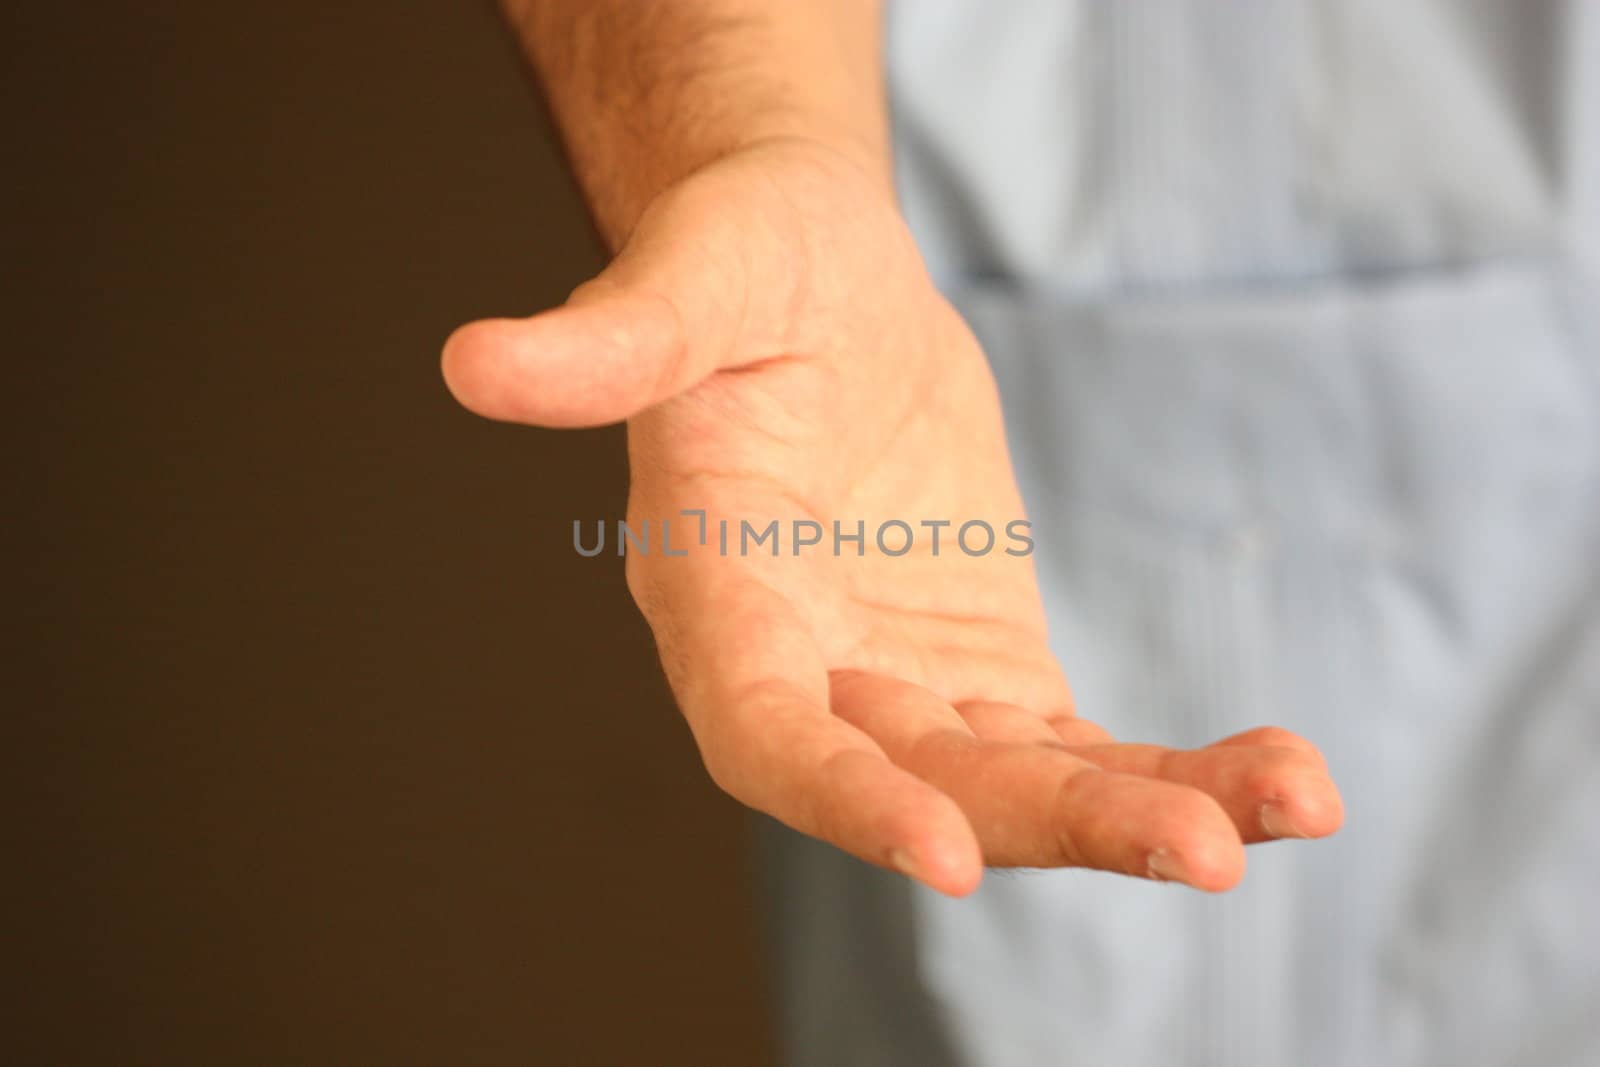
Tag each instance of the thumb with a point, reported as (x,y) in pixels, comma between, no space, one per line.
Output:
(672,308)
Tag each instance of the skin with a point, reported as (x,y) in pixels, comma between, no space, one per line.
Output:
(770,335)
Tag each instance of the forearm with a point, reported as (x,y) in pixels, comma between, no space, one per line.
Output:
(646,91)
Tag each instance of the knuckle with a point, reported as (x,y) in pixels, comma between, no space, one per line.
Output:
(643,584)
(720,767)
(1197,809)
(1278,737)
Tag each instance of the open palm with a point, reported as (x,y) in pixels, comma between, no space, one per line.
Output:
(781,356)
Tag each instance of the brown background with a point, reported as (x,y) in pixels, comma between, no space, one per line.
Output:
(330,749)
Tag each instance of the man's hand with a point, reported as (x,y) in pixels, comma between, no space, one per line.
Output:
(772,337)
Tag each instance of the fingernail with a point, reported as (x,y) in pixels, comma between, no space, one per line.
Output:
(901,861)
(1163,866)
(1276,822)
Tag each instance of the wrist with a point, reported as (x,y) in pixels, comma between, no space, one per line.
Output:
(647,94)
(619,188)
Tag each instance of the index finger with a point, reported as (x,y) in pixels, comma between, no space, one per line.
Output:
(753,687)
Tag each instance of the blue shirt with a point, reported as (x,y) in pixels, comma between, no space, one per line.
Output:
(1295,309)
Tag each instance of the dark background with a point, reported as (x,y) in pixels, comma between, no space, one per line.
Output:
(330,749)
